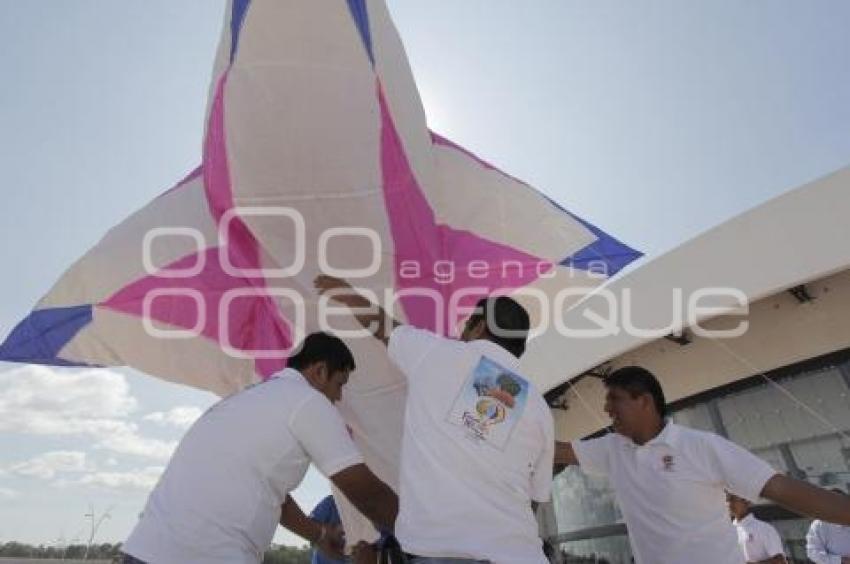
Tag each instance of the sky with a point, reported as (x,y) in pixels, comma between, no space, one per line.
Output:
(656,120)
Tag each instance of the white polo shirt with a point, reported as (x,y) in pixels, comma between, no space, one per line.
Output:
(826,543)
(478,447)
(758,540)
(671,491)
(219,500)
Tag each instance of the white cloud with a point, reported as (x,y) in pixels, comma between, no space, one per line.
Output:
(6,493)
(128,441)
(181,417)
(137,480)
(43,401)
(40,400)
(47,465)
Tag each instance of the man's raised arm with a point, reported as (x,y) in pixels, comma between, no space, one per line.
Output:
(806,499)
(371,316)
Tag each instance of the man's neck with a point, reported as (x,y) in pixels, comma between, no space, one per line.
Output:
(643,436)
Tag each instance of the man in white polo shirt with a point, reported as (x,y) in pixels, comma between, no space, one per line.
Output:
(669,480)
(227,485)
(477,449)
(828,543)
(759,541)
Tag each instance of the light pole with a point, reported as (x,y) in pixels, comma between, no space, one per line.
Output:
(95,525)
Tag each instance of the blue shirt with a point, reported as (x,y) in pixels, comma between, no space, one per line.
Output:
(325,512)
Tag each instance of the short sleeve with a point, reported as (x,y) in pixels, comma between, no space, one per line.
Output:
(594,455)
(772,541)
(318,427)
(541,478)
(409,345)
(743,473)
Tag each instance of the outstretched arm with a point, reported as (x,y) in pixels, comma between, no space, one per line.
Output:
(806,499)
(371,316)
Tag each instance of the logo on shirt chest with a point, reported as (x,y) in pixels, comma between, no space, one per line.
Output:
(668,463)
(490,403)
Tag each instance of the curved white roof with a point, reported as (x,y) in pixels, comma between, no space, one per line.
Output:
(799,236)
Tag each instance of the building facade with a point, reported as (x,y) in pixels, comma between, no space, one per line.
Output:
(780,387)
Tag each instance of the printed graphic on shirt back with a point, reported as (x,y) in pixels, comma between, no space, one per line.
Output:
(490,403)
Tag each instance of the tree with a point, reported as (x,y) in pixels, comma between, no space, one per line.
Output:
(287,555)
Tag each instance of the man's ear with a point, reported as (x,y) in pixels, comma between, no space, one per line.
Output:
(478,330)
(322,372)
(316,374)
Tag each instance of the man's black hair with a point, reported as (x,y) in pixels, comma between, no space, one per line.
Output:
(636,381)
(507,322)
(322,347)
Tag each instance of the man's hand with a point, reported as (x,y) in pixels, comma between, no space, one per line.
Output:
(332,542)
(364,553)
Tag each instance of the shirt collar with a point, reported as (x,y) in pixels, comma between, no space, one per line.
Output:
(496,352)
(748,519)
(668,436)
(291,373)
